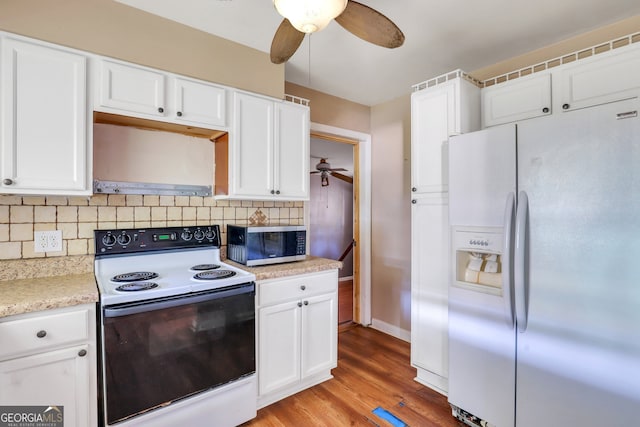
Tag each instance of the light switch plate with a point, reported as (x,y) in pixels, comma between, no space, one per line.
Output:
(47,241)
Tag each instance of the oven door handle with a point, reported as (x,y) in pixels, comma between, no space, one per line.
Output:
(176,301)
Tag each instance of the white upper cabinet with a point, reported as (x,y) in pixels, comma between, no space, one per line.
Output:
(199,103)
(268,150)
(291,161)
(602,78)
(136,91)
(447,109)
(515,100)
(45,146)
(133,89)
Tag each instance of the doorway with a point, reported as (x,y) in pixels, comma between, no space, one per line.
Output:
(333,214)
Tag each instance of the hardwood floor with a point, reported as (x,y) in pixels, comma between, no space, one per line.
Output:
(373,370)
(345,301)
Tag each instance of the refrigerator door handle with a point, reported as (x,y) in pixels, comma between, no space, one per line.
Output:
(520,261)
(507,282)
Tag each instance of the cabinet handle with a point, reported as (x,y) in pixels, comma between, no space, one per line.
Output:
(82,353)
(545,110)
(306,303)
(565,106)
(179,113)
(7,181)
(41,334)
(160,110)
(414,189)
(303,287)
(299,304)
(414,201)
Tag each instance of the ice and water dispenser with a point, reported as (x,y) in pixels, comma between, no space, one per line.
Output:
(477,254)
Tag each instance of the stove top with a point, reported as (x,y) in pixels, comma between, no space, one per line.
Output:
(140,264)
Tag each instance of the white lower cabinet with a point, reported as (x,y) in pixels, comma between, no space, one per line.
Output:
(297,333)
(429,290)
(49,359)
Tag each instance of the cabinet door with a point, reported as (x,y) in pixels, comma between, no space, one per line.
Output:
(291,150)
(602,78)
(131,89)
(515,100)
(319,334)
(251,150)
(278,346)
(434,117)
(44,147)
(56,378)
(199,103)
(430,272)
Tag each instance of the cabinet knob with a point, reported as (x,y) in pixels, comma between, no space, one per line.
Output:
(414,201)
(299,304)
(7,181)
(565,106)
(277,191)
(414,189)
(41,334)
(160,110)
(273,192)
(82,353)
(303,287)
(179,113)
(306,303)
(545,110)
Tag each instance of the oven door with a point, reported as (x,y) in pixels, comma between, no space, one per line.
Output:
(159,351)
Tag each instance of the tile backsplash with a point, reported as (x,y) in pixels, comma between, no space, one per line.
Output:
(77,217)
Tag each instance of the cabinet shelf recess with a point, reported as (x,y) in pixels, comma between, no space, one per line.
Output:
(121,187)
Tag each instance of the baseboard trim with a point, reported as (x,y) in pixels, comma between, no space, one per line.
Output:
(392,330)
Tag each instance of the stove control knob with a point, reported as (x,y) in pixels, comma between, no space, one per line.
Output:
(109,240)
(199,235)
(186,235)
(123,239)
(209,234)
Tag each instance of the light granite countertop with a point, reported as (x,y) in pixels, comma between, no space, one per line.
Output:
(45,293)
(275,271)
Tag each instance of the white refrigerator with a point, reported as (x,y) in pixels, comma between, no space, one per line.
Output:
(544,301)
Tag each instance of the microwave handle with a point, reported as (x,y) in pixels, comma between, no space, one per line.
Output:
(146,306)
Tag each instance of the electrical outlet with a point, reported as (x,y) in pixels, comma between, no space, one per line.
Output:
(47,241)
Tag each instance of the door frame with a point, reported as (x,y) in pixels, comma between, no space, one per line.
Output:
(361,213)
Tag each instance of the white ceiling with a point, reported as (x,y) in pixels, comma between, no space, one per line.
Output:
(440,36)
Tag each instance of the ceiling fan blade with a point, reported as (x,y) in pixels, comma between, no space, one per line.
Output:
(370,25)
(338,169)
(314,172)
(285,42)
(345,178)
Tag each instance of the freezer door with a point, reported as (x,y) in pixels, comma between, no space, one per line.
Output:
(482,172)
(579,355)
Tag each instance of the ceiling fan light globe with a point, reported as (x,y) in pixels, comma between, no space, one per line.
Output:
(309,16)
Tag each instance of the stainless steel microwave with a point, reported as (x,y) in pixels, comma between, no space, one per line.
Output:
(261,245)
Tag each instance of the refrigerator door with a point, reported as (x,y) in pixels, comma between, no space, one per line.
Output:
(579,355)
(482,172)
(482,184)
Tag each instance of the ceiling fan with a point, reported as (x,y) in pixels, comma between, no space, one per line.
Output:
(306,16)
(324,169)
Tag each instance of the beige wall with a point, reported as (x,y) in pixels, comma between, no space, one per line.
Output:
(391,213)
(333,111)
(116,30)
(592,38)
